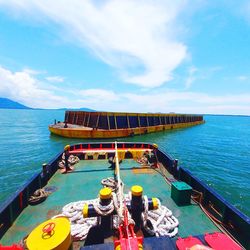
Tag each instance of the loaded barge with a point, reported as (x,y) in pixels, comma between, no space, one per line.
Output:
(145,201)
(81,124)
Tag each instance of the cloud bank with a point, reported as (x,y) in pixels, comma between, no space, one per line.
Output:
(26,88)
(55,79)
(138,38)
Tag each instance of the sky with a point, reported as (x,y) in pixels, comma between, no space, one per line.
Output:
(123,55)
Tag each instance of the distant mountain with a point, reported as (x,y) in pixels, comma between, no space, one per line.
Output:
(87,109)
(6,103)
(80,109)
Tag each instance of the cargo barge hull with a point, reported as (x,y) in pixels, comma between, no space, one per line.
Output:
(100,125)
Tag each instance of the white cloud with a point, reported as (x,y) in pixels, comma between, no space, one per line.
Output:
(188,102)
(242,78)
(22,86)
(191,77)
(55,79)
(138,38)
(27,89)
(33,72)
(100,94)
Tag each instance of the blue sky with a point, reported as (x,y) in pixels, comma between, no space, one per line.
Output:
(136,56)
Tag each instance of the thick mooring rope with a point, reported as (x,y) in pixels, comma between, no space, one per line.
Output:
(120,187)
(73,159)
(163,223)
(110,183)
(38,196)
(79,226)
(162,220)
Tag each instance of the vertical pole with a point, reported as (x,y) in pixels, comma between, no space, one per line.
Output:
(88,120)
(108,121)
(139,123)
(76,117)
(84,119)
(115,121)
(119,184)
(66,116)
(128,124)
(97,121)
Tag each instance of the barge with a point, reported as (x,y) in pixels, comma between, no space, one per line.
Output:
(145,201)
(81,124)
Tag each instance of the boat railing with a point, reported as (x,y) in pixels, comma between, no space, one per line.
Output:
(235,222)
(220,210)
(102,146)
(14,205)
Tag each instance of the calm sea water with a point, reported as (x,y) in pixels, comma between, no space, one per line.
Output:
(218,152)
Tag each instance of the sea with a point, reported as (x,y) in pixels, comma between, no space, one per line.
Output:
(217,152)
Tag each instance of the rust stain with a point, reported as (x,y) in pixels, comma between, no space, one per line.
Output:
(52,212)
(143,171)
(21,229)
(76,245)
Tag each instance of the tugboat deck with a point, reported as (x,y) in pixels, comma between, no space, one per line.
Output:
(84,183)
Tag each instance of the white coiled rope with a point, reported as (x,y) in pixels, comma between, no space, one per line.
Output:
(162,220)
(79,226)
(110,183)
(103,210)
(73,159)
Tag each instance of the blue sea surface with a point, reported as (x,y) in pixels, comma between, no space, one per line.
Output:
(218,152)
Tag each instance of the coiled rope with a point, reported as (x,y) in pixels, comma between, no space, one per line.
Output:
(162,220)
(73,159)
(38,196)
(110,183)
(79,226)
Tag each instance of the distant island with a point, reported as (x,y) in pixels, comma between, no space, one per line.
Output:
(75,109)
(6,103)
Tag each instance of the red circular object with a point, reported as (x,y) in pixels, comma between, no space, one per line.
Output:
(48,228)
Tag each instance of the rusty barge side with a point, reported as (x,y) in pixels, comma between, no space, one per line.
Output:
(81,124)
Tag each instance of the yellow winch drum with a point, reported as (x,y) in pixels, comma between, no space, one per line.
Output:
(52,234)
